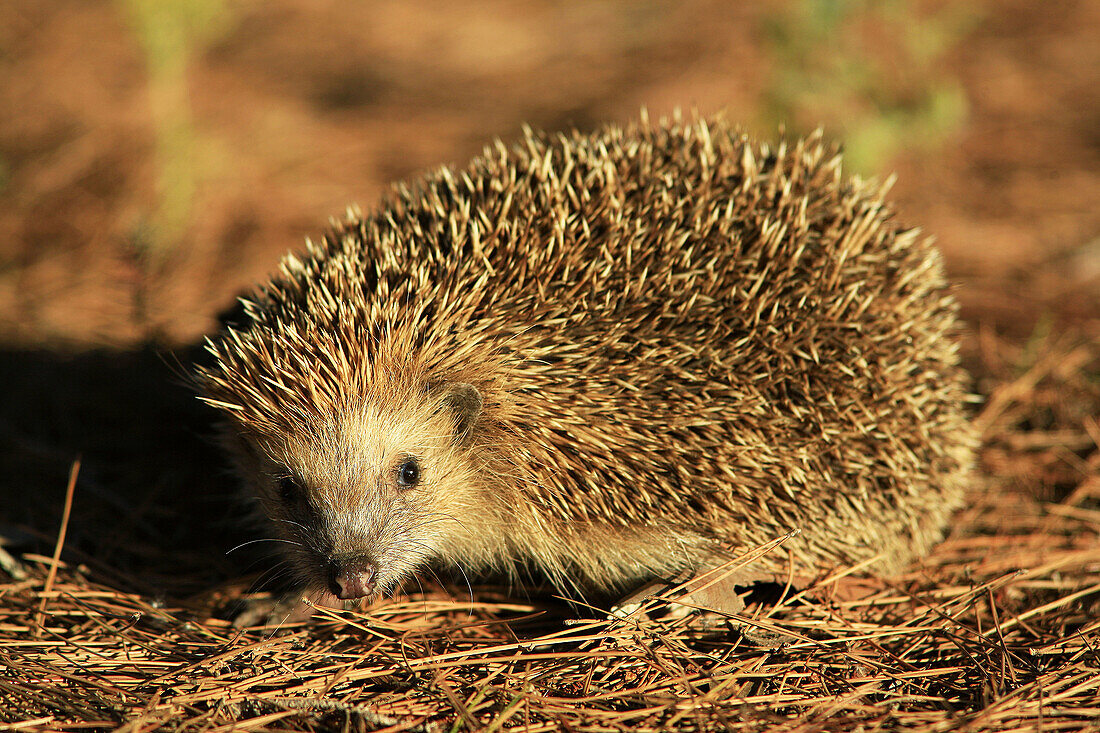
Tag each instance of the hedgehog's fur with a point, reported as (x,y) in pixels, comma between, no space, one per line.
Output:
(683,342)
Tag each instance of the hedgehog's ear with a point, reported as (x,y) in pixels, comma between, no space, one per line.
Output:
(463,401)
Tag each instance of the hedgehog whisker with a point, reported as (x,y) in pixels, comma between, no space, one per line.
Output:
(266,558)
(297,525)
(265,539)
(420,585)
(437,518)
(442,516)
(426,550)
(431,571)
(271,572)
(469,588)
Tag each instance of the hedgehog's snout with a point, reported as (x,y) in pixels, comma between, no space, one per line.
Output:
(352,578)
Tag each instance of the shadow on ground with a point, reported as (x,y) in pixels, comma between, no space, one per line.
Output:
(155,507)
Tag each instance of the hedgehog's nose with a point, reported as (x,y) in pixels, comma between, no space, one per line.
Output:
(351,578)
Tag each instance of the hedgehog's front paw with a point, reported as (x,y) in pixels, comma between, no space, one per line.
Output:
(273,612)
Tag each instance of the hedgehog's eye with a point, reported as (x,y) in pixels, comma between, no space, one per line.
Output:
(290,491)
(408,473)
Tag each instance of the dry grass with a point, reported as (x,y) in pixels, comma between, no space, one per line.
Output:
(998,630)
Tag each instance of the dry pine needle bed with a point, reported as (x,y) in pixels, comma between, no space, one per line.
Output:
(998,630)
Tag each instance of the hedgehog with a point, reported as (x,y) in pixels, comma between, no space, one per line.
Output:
(608,357)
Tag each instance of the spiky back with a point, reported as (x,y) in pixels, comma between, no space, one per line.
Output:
(670,324)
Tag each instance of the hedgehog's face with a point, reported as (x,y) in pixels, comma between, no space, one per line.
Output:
(368,499)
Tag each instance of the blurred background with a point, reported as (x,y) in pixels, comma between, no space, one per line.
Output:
(158,156)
